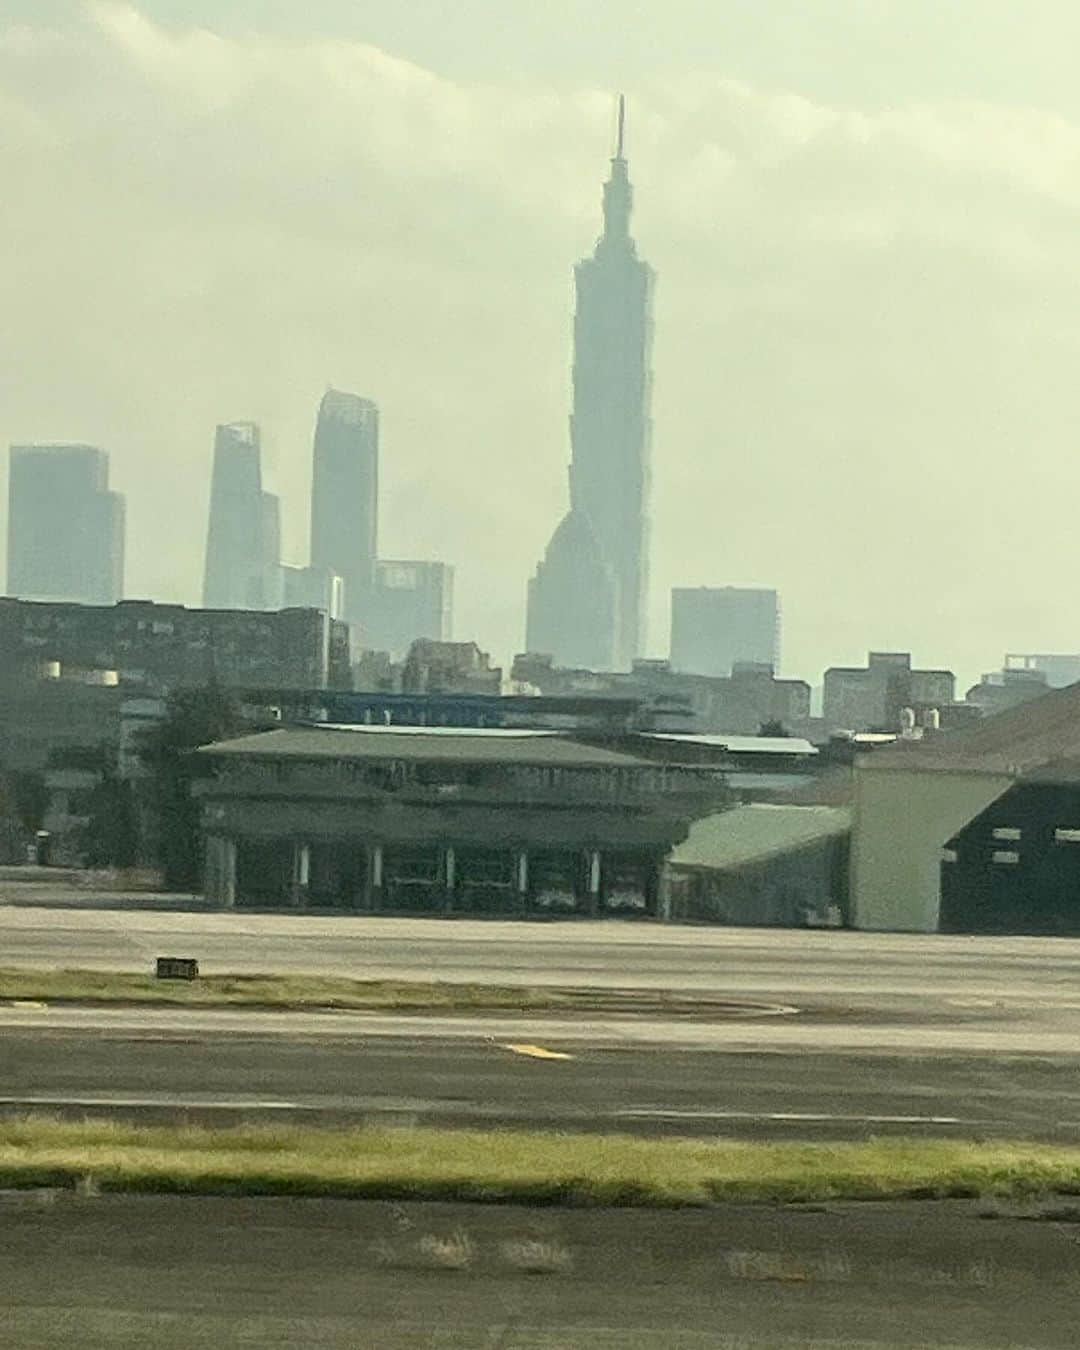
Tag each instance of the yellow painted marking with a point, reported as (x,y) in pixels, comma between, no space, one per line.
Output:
(26,1003)
(536,1051)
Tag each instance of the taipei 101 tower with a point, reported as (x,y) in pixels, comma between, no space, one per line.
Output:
(588,600)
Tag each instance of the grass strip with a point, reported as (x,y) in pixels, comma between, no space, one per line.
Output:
(319,992)
(280,991)
(526,1167)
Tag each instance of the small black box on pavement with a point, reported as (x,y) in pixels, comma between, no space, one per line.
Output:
(177,968)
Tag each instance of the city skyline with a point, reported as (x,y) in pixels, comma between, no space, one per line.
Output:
(388,602)
(827,384)
(67,554)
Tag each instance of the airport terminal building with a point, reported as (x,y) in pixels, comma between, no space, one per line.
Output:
(440,820)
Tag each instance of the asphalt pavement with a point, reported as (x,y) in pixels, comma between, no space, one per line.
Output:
(644,1089)
(850,1033)
(604,954)
(134,1271)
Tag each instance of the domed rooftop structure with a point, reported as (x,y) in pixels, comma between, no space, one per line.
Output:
(572,599)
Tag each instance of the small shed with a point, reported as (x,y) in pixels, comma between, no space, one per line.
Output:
(759,864)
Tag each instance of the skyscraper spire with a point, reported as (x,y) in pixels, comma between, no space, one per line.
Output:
(618,194)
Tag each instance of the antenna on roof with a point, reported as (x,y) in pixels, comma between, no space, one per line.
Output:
(621,128)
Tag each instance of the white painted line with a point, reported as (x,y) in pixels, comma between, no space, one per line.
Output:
(535,1051)
(194,1103)
(374,1110)
(812,1117)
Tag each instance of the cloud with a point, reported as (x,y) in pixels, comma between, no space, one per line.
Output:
(866,322)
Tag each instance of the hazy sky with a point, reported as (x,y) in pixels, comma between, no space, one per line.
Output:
(864,214)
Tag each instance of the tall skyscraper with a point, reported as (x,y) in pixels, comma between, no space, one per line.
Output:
(242,538)
(345,497)
(715,628)
(65,528)
(610,435)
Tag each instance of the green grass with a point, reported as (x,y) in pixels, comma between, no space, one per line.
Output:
(315,992)
(279,991)
(515,1166)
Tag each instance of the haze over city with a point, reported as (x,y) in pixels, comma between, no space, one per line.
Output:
(539,673)
(866,321)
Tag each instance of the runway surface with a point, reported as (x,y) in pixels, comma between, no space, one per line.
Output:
(189,1273)
(883,1033)
(556,1084)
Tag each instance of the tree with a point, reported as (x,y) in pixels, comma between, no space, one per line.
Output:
(22,804)
(193,717)
(28,797)
(110,836)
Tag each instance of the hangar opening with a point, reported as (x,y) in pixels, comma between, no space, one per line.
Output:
(1015,867)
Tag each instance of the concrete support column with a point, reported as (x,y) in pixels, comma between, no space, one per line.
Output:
(358,894)
(449,878)
(219,870)
(228,873)
(301,874)
(663,893)
(523,876)
(375,877)
(594,881)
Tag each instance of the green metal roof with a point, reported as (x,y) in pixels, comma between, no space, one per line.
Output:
(748,834)
(545,749)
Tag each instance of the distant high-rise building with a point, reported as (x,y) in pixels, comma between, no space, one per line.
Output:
(610,434)
(449,668)
(999,690)
(345,497)
(873,697)
(65,528)
(411,600)
(716,628)
(242,538)
(150,649)
(1060,668)
(273,581)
